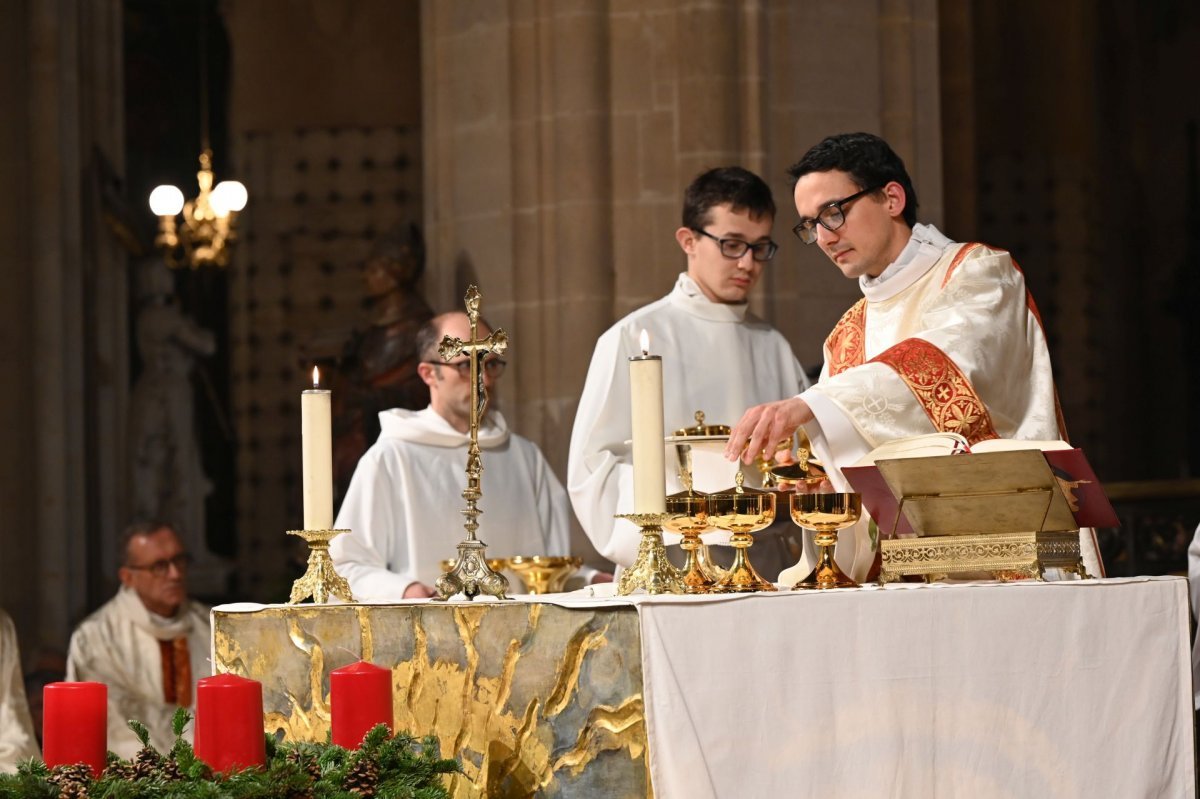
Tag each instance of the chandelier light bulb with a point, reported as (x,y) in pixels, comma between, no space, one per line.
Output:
(166,201)
(228,197)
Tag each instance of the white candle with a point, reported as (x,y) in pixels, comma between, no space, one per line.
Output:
(646,403)
(317,444)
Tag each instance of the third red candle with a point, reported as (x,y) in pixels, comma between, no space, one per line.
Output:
(229,722)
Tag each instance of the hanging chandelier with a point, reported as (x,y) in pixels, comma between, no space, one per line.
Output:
(209,224)
(208,229)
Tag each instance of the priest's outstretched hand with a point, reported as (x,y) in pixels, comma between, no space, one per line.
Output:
(769,422)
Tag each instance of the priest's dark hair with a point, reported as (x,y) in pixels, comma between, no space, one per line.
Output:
(740,189)
(866,158)
(430,336)
(144,527)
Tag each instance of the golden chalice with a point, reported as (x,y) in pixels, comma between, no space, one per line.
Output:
(544,574)
(689,518)
(742,511)
(817,507)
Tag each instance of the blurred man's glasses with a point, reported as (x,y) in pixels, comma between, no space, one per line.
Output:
(494,367)
(736,248)
(831,217)
(160,568)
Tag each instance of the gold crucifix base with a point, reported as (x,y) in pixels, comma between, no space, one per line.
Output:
(319,580)
(471,575)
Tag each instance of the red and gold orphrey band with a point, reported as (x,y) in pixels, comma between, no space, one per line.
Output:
(945,393)
(847,342)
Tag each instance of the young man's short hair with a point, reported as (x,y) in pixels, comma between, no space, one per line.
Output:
(866,158)
(734,186)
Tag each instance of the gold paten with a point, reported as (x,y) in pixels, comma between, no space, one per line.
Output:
(319,579)
(651,571)
(689,517)
(471,574)
(824,513)
(534,700)
(544,574)
(1002,513)
(742,511)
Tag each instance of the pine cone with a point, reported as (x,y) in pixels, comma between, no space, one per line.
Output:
(362,777)
(169,771)
(120,770)
(147,763)
(72,781)
(306,762)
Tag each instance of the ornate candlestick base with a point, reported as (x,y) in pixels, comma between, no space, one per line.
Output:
(826,574)
(651,572)
(319,580)
(471,575)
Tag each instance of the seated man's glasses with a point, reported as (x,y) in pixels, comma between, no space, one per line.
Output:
(831,217)
(493,366)
(160,568)
(736,248)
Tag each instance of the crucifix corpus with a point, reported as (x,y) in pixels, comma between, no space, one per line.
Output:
(471,574)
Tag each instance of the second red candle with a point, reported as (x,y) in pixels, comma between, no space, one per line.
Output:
(360,696)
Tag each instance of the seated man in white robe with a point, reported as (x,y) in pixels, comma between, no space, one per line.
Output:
(946,337)
(403,504)
(718,357)
(149,644)
(17,741)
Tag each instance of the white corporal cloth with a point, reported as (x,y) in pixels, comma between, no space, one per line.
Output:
(403,506)
(118,645)
(17,741)
(1026,689)
(716,357)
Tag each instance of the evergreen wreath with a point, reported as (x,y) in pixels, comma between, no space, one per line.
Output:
(385,767)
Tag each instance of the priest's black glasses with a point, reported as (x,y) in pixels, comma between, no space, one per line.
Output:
(493,366)
(160,568)
(831,217)
(736,248)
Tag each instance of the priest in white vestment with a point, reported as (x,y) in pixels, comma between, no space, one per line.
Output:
(946,337)
(17,741)
(716,356)
(403,506)
(149,644)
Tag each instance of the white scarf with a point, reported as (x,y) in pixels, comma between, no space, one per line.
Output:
(162,628)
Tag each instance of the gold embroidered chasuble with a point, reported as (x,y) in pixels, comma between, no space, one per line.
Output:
(960,349)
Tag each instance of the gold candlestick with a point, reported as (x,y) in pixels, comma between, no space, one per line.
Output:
(651,572)
(472,576)
(320,579)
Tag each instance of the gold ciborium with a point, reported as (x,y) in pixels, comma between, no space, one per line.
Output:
(544,574)
(742,511)
(817,507)
(689,518)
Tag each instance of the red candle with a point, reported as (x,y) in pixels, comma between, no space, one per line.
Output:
(229,722)
(360,696)
(75,724)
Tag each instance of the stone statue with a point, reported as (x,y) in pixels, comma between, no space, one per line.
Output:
(168,479)
(378,368)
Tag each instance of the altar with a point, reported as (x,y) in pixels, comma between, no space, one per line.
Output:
(1073,688)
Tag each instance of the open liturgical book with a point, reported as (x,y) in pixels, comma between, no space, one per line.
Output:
(1085,500)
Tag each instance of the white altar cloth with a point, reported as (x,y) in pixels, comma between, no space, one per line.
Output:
(1027,689)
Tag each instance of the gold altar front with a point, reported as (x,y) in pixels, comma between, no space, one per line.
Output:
(535,699)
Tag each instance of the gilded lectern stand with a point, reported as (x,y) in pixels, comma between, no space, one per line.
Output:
(1000,512)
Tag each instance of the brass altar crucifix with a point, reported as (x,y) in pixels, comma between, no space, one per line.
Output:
(471,575)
